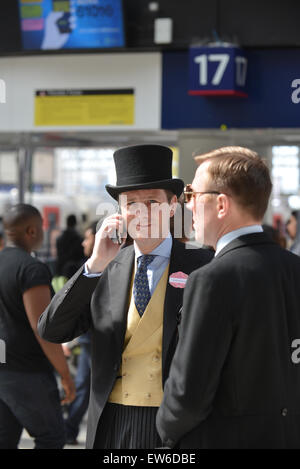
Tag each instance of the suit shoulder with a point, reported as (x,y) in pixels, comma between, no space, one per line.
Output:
(212,269)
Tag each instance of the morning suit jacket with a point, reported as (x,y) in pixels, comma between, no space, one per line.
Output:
(235,378)
(101,306)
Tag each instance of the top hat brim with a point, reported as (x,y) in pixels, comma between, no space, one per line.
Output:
(174,185)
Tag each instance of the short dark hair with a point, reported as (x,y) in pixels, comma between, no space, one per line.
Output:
(18,214)
(71,221)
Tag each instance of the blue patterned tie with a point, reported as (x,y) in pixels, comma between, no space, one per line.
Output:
(141,292)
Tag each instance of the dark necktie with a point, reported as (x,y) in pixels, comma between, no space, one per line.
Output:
(141,292)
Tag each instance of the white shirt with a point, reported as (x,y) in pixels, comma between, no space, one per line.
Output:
(157,267)
(228,237)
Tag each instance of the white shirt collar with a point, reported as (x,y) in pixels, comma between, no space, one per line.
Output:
(228,237)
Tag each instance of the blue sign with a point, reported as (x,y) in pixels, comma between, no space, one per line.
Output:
(273,85)
(217,71)
(71,24)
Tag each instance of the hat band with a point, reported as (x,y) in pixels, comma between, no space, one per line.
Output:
(140,179)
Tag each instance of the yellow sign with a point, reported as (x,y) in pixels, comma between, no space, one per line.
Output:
(84,107)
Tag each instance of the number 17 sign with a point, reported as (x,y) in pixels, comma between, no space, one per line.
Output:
(217,71)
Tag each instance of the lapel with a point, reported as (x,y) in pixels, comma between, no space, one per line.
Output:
(174,297)
(119,281)
(245,240)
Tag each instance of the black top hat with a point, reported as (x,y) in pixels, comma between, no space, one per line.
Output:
(144,167)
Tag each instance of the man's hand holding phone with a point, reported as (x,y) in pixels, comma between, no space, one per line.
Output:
(108,242)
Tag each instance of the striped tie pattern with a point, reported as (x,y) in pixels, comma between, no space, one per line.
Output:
(141,292)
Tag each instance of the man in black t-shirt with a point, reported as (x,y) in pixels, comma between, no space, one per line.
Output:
(28,391)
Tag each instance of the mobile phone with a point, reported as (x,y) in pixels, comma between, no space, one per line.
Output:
(117,238)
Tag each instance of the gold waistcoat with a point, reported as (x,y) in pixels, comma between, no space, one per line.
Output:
(140,382)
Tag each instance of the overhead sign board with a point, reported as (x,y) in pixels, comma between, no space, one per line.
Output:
(217,71)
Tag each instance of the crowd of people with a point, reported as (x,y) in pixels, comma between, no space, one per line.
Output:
(181,346)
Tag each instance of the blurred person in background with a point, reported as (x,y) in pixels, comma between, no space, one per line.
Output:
(275,235)
(77,409)
(2,237)
(29,396)
(293,230)
(69,249)
(2,240)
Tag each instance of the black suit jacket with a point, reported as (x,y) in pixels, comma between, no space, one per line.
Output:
(101,305)
(232,382)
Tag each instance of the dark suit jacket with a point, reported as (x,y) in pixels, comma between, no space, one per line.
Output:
(101,305)
(233,383)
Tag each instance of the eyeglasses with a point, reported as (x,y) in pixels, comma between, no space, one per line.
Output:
(189,193)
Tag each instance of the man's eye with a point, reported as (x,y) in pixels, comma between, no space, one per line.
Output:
(153,202)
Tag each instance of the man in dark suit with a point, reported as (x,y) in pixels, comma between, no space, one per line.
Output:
(130,300)
(235,378)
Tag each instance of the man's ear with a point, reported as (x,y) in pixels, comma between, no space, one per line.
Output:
(31,231)
(173,205)
(222,205)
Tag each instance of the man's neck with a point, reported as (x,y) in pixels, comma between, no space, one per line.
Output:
(148,245)
(229,236)
(236,226)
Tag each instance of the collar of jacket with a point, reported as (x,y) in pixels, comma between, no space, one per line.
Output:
(245,240)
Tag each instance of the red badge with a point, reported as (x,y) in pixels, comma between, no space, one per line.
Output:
(178,279)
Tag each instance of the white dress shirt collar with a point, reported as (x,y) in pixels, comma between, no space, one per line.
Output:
(163,249)
(228,237)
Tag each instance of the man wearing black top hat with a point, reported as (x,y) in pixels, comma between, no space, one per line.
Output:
(130,299)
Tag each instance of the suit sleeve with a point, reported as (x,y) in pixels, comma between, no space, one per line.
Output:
(204,340)
(68,315)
